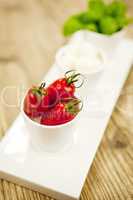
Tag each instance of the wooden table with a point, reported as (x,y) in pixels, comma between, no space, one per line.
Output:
(30,34)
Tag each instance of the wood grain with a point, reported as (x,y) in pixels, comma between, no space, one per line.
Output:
(29,36)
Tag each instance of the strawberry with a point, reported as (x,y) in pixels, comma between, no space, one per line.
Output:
(62,113)
(65,87)
(38,100)
(48,101)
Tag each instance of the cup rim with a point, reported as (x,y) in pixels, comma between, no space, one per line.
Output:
(41,125)
(116,34)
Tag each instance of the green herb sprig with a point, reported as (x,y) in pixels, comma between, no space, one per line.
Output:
(99,17)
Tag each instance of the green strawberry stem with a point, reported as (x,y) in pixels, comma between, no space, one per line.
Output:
(39,91)
(43,84)
(73,106)
(72,77)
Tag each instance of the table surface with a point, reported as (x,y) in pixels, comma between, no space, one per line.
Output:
(30,34)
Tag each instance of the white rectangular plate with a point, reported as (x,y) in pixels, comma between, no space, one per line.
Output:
(62,174)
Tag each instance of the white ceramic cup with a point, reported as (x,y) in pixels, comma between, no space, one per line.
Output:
(91,77)
(61,53)
(49,138)
(98,39)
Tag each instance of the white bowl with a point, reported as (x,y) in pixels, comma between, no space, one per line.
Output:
(49,138)
(91,76)
(98,39)
(61,53)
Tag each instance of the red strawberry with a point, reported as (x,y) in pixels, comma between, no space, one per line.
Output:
(61,113)
(65,87)
(48,101)
(36,101)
